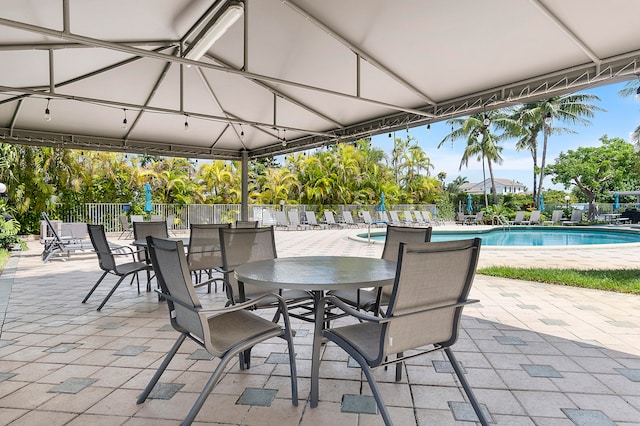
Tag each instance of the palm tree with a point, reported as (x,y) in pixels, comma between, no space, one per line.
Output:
(481,143)
(536,117)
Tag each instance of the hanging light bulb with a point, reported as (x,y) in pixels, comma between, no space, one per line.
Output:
(638,94)
(284,137)
(124,121)
(241,133)
(186,123)
(548,119)
(428,127)
(47,112)
(486,120)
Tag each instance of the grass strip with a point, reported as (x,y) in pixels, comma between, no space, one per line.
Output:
(618,280)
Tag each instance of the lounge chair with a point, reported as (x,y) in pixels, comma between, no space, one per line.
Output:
(330,219)
(156,218)
(311,220)
(223,333)
(294,220)
(518,219)
(432,220)
(281,220)
(556,218)
(395,220)
(107,259)
(348,219)
(576,218)
(534,218)
(479,219)
(430,291)
(368,221)
(67,243)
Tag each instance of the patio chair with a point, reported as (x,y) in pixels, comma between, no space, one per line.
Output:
(127,227)
(518,219)
(156,218)
(534,218)
(244,245)
(330,219)
(142,230)
(431,288)
(137,218)
(223,333)
(107,259)
(576,217)
(294,220)
(171,219)
(311,220)
(373,299)
(204,253)
(247,223)
(55,243)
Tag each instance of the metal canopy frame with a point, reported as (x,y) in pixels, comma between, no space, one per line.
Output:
(253,97)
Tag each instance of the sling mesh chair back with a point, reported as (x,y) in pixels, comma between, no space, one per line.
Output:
(244,245)
(204,253)
(108,263)
(247,223)
(221,332)
(431,288)
(142,230)
(372,299)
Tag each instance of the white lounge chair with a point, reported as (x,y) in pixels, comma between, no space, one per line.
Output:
(331,220)
(556,217)
(576,217)
(313,222)
(534,219)
(518,219)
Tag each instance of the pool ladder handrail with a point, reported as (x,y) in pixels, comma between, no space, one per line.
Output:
(501,220)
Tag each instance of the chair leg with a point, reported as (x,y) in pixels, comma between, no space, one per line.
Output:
(466,387)
(208,387)
(399,368)
(94,288)
(111,292)
(167,359)
(374,388)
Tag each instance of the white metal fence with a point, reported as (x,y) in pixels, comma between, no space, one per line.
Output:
(108,214)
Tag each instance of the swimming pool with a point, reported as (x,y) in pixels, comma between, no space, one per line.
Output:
(534,237)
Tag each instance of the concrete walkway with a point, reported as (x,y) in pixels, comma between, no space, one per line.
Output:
(535,354)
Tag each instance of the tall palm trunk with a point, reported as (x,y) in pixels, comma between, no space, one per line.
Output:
(493,183)
(543,160)
(484,184)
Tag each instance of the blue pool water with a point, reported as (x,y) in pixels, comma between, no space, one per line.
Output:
(535,237)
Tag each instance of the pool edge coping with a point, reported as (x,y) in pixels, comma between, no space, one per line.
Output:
(356,237)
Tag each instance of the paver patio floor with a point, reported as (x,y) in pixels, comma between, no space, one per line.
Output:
(535,354)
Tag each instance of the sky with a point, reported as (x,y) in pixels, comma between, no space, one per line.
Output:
(621,117)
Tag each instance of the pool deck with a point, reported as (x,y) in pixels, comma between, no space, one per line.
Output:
(535,354)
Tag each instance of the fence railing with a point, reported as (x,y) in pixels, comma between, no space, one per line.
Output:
(108,214)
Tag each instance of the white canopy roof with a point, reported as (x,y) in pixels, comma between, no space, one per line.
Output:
(291,74)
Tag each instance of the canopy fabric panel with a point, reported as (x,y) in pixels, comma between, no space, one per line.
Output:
(290,74)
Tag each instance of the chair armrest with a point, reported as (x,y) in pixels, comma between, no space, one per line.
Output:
(244,305)
(320,309)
